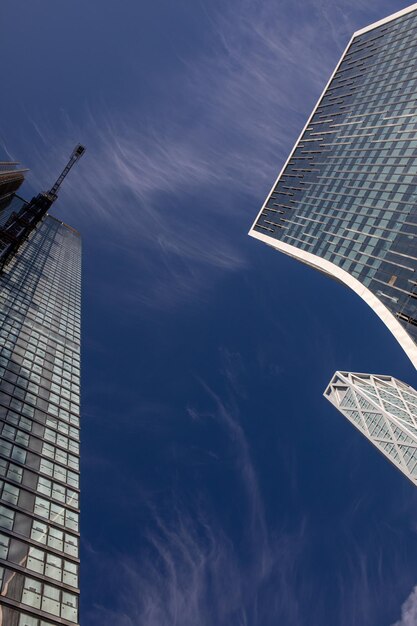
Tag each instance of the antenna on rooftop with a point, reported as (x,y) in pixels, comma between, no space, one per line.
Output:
(75,156)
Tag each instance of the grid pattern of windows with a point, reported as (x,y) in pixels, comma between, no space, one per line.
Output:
(39,428)
(348,193)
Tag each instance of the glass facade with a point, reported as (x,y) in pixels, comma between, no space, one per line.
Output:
(383,409)
(348,193)
(40,292)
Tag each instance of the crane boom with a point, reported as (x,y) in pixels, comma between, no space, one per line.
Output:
(76,154)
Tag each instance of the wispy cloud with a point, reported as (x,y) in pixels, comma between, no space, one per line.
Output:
(200,562)
(189,576)
(229,418)
(192,572)
(184,182)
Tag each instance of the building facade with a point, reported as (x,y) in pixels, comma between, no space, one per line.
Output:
(11,177)
(40,293)
(383,409)
(345,201)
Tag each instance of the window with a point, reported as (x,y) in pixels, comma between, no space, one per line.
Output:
(60,473)
(17,420)
(50,600)
(27,620)
(6,518)
(11,471)
(60,456)
(52,566)
(9,493)
(57,492)
(35,560)
(13,452)
(4,546)
(69,606)
(32,593)
(56,513)
(55,538)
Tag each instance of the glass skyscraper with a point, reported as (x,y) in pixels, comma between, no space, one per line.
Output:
(39,428)
(383,409)
(345,201)
(11,177)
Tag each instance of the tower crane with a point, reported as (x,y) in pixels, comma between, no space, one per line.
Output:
(77,153)
(21,223)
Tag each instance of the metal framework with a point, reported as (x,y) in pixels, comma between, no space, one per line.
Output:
(76,154)
(383,409)
(21,223)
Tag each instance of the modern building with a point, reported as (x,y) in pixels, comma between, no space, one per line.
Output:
(40,289)
(39,429)
(345,201)
(11,177)
(384,410)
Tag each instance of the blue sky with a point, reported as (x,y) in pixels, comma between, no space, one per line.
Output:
(219,487)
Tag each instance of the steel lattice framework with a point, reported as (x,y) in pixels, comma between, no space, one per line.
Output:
(20,224)
(383,409)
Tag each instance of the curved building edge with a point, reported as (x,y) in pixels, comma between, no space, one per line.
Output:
(401,335)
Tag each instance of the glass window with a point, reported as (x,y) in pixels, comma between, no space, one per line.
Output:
(55,539)
(50,600)
(71,545)
(4,546)
(32,593)
(69,606)
(6,518)
(39,531)
(27,620)
(35,560)
(10,493)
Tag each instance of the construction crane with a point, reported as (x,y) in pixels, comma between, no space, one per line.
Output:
(76,154)
(21,223)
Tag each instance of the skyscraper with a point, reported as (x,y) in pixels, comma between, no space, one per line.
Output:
(11,177)
(39,429)
(40,289)
(383,409)
(345,201)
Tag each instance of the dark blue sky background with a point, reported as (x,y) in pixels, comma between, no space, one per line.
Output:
(219,488)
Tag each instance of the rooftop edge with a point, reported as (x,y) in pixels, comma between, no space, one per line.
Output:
(385,20)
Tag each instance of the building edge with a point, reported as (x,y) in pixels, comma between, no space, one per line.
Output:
(323,265)
(385,20)
(412,7)
(252,231)
(344,277)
